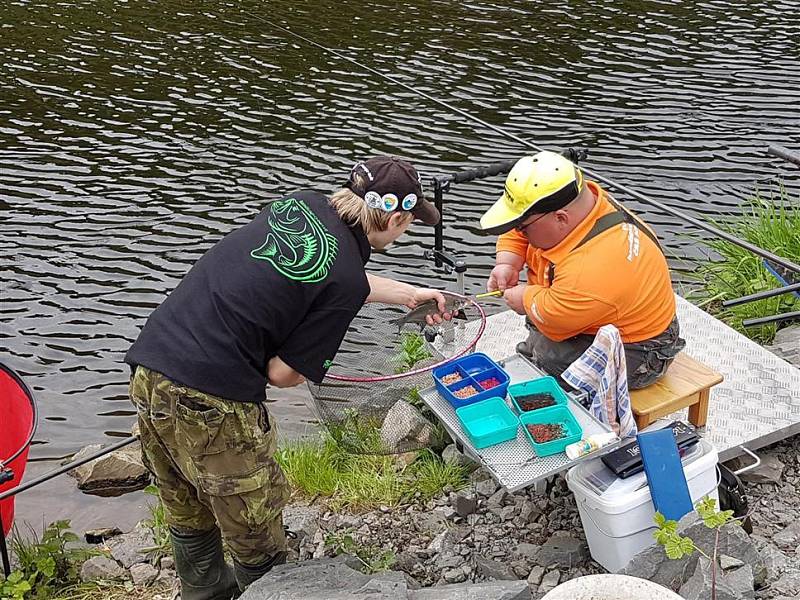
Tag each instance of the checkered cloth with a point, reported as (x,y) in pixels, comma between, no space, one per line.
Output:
(602,374)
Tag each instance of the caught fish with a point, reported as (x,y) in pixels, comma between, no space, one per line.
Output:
(455,306)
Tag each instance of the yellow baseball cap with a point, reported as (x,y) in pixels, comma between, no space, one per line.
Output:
(544,182)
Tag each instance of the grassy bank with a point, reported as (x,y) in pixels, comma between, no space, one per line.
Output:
(770,223)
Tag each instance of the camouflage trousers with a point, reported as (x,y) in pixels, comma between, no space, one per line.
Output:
(212,460)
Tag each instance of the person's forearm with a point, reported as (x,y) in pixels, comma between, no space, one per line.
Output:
(505,257)
(389,291)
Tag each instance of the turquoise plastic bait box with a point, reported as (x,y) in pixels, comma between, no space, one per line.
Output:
(488,422)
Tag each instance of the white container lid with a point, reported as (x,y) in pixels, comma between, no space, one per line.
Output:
(601,486)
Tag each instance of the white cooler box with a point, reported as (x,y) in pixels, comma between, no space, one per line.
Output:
(617,514)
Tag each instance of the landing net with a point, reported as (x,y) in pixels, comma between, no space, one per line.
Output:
(370,401)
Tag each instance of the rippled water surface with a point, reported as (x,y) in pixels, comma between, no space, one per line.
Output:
(133,135)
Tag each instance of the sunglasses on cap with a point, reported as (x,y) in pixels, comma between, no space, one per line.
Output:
(389,202)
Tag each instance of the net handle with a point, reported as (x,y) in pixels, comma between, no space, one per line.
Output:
(466,350)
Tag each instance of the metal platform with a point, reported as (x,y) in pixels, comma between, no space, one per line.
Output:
(757,404)
(513,463)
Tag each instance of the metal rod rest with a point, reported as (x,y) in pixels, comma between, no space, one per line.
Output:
(773,319)
(761,295)
(638,195)
(67,467)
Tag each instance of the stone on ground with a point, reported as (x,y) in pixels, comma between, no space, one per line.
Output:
(114,474)
(101,567)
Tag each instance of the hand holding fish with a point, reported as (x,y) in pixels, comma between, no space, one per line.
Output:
(425,295)
(514,298)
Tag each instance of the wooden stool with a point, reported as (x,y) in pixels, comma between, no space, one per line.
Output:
(686,383)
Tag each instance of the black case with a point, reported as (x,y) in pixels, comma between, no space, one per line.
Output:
(627,461)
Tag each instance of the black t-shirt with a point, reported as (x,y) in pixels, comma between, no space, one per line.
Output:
(288,284)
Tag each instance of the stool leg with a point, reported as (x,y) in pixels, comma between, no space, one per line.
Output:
(698,412)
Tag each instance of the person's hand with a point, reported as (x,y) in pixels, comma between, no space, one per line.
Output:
(422,295)
(502,277)
(514,298)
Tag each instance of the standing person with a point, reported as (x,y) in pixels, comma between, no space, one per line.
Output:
(269,304)
(590,263)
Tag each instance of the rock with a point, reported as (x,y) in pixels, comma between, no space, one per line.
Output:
(565,552)
(774,560)
(492,569)
(728,563)
(320,579)
(398,576)
(303,521)
(486,488)
(131,548)
(497,498)
(734,585)
(769,471)
(478,475)
(505,590)
(788,584)
(527,552)
(166,577)
(405,427)
(143,574)
(114,474)
(528,512)
(549,581)
(167,562)
(453,456)
(535,577)
(101,567)
(788,538)
(787,344)
(98,536)
(652,562)
(465,503)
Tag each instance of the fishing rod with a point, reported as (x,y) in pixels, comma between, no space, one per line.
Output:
(638,195)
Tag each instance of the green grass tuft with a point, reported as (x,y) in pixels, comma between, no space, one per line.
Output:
(322,469)
(770,224)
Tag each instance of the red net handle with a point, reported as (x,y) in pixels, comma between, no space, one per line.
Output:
(421,370)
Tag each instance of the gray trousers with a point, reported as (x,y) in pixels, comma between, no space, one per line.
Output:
(647,361)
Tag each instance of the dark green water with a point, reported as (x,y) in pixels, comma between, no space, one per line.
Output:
(134,134)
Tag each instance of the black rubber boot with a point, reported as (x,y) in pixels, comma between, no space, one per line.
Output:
(201,566)
(247,574)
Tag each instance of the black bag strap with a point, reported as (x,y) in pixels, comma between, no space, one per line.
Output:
(604,223)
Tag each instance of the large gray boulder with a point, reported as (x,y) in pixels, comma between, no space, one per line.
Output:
(114,474)
(405,427)
(332,579)
(730,585)
(652,562)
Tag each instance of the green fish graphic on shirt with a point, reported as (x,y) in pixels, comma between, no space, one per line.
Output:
(297,244)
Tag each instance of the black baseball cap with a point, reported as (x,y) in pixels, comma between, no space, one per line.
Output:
(392,184)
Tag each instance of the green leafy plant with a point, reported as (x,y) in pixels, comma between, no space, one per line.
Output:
(44,565)
(677,546)
(412,350)
(373,558)
(16,586)
(772,224)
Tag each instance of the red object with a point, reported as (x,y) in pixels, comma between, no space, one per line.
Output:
(17,425)
(490,383)
(546,433)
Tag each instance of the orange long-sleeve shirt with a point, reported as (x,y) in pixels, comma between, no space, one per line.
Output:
(619,277)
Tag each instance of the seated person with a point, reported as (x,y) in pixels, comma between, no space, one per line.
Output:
(590,262)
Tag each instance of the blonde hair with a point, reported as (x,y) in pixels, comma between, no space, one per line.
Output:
(354,210)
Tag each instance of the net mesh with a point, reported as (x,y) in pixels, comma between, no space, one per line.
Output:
(370,401)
